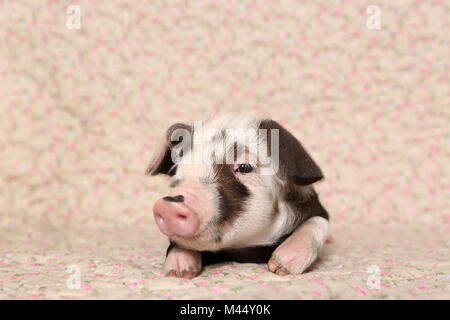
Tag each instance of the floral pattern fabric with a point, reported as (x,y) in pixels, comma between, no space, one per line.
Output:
(82,111)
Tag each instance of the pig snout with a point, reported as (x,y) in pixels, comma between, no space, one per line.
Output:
(174,218)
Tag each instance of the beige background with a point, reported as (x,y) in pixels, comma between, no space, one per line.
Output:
(81,112)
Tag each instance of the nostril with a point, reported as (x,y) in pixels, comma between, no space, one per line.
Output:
(182,217)
(178,198)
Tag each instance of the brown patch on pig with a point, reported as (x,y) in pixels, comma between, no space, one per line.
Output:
(162,161)
(233,193)
(306,203)
(296,165)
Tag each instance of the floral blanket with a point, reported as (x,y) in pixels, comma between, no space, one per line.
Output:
(87,88)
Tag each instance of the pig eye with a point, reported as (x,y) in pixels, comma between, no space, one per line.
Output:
(244,168)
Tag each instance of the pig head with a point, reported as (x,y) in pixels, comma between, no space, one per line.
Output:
(240,189)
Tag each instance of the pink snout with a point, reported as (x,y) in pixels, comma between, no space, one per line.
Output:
(174,218)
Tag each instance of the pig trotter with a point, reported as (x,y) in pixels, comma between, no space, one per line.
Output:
(276,267)
(299,251)
(182,263)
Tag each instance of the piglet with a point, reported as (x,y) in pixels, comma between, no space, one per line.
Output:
(241,189)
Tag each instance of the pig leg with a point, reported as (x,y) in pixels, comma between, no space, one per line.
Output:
(300,249)
(182,263)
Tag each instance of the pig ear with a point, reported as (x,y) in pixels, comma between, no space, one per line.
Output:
(295,164)
(162,160)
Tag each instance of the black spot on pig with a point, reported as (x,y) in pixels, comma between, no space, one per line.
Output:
(178,198)
(175,182)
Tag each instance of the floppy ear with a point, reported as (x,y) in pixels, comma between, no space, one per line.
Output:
(295,164)
(162,160)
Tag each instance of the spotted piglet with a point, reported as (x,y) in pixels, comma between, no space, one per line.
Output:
(241,189)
